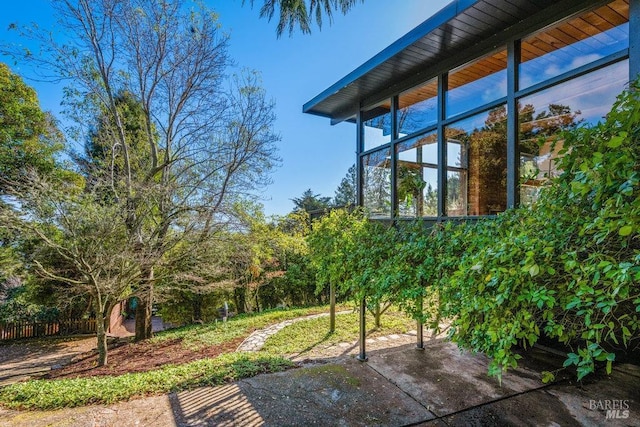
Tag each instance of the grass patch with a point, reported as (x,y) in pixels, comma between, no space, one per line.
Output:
(304,336)
(195,337)
(48,394)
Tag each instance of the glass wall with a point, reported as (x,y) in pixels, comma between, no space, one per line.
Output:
(376,183)
(417,176)
(581,101)
(477,83)
(418,108)
(377,126)
(573,43)
(451,154)
(477,164)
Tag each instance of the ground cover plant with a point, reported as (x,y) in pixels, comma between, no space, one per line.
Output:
(178,346)
(177,359)
(48,394)
(305,336)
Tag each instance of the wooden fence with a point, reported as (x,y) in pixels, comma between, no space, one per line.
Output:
(15,330)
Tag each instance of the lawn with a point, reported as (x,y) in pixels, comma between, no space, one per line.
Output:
(189,357)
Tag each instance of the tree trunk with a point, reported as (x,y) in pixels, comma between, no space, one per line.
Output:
(332,308)
(257,300)
(143,316)
(143,310)
(377,314)
(239,297)
(101,334)
(196,304)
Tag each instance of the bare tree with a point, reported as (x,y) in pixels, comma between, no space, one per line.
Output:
(209,139)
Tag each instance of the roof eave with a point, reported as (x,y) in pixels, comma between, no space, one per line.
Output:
(443,16)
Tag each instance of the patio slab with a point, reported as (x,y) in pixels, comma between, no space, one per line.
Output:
(346,393)
(446,380)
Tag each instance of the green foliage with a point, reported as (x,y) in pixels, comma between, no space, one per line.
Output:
(331,242)
(28,137)
(310,202)
(214,333)
(346,193)
(54,394)
(17,304)
(301,13)
(567,268)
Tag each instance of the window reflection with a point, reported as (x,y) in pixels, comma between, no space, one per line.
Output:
(417,181)
(418,108)
(477,164)
(584,100)
(376,183)
(477,83)
(377,126)
(575,42)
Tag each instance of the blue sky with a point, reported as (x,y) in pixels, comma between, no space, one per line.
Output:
(294,69)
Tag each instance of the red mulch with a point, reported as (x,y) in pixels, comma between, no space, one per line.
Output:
(139,357)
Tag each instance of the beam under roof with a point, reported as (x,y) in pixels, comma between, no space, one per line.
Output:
(461,30)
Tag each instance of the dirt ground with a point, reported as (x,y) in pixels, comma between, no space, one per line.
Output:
(138,357)
(24,359)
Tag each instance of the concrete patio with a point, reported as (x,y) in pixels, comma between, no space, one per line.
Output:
(398,386)
(437,387)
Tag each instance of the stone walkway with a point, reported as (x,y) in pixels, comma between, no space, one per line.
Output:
(256,340)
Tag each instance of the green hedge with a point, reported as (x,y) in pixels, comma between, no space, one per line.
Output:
(567,268)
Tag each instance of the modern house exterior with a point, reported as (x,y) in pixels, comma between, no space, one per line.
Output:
(457,119)
(438,135)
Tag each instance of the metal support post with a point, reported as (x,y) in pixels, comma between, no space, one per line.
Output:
(363,331)
(420,327)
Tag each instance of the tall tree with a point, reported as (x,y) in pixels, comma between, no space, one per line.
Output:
(29,139)
(292,13)
(346,193)
(310,202)
(208,141)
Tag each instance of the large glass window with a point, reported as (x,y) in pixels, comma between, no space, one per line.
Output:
(376,183)
(477,164)
(417,176)
(584,100)
(418,108)
(377,126)
(474,180)
(570,44)
(477,83)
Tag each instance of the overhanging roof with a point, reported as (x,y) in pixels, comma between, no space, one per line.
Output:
(462,29)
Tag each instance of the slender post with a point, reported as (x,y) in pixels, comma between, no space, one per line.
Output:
(634,40)
(332,307)
(363,331)
(513,155)
(420,327)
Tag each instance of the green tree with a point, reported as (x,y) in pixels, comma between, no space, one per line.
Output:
(81,245)
(346,193)
(310,202)
(331,241)
(292,13)
(208,140)
(29,139)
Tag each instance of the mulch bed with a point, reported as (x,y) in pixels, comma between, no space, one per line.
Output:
(138,357)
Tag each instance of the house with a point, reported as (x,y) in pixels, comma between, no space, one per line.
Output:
(457,118)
